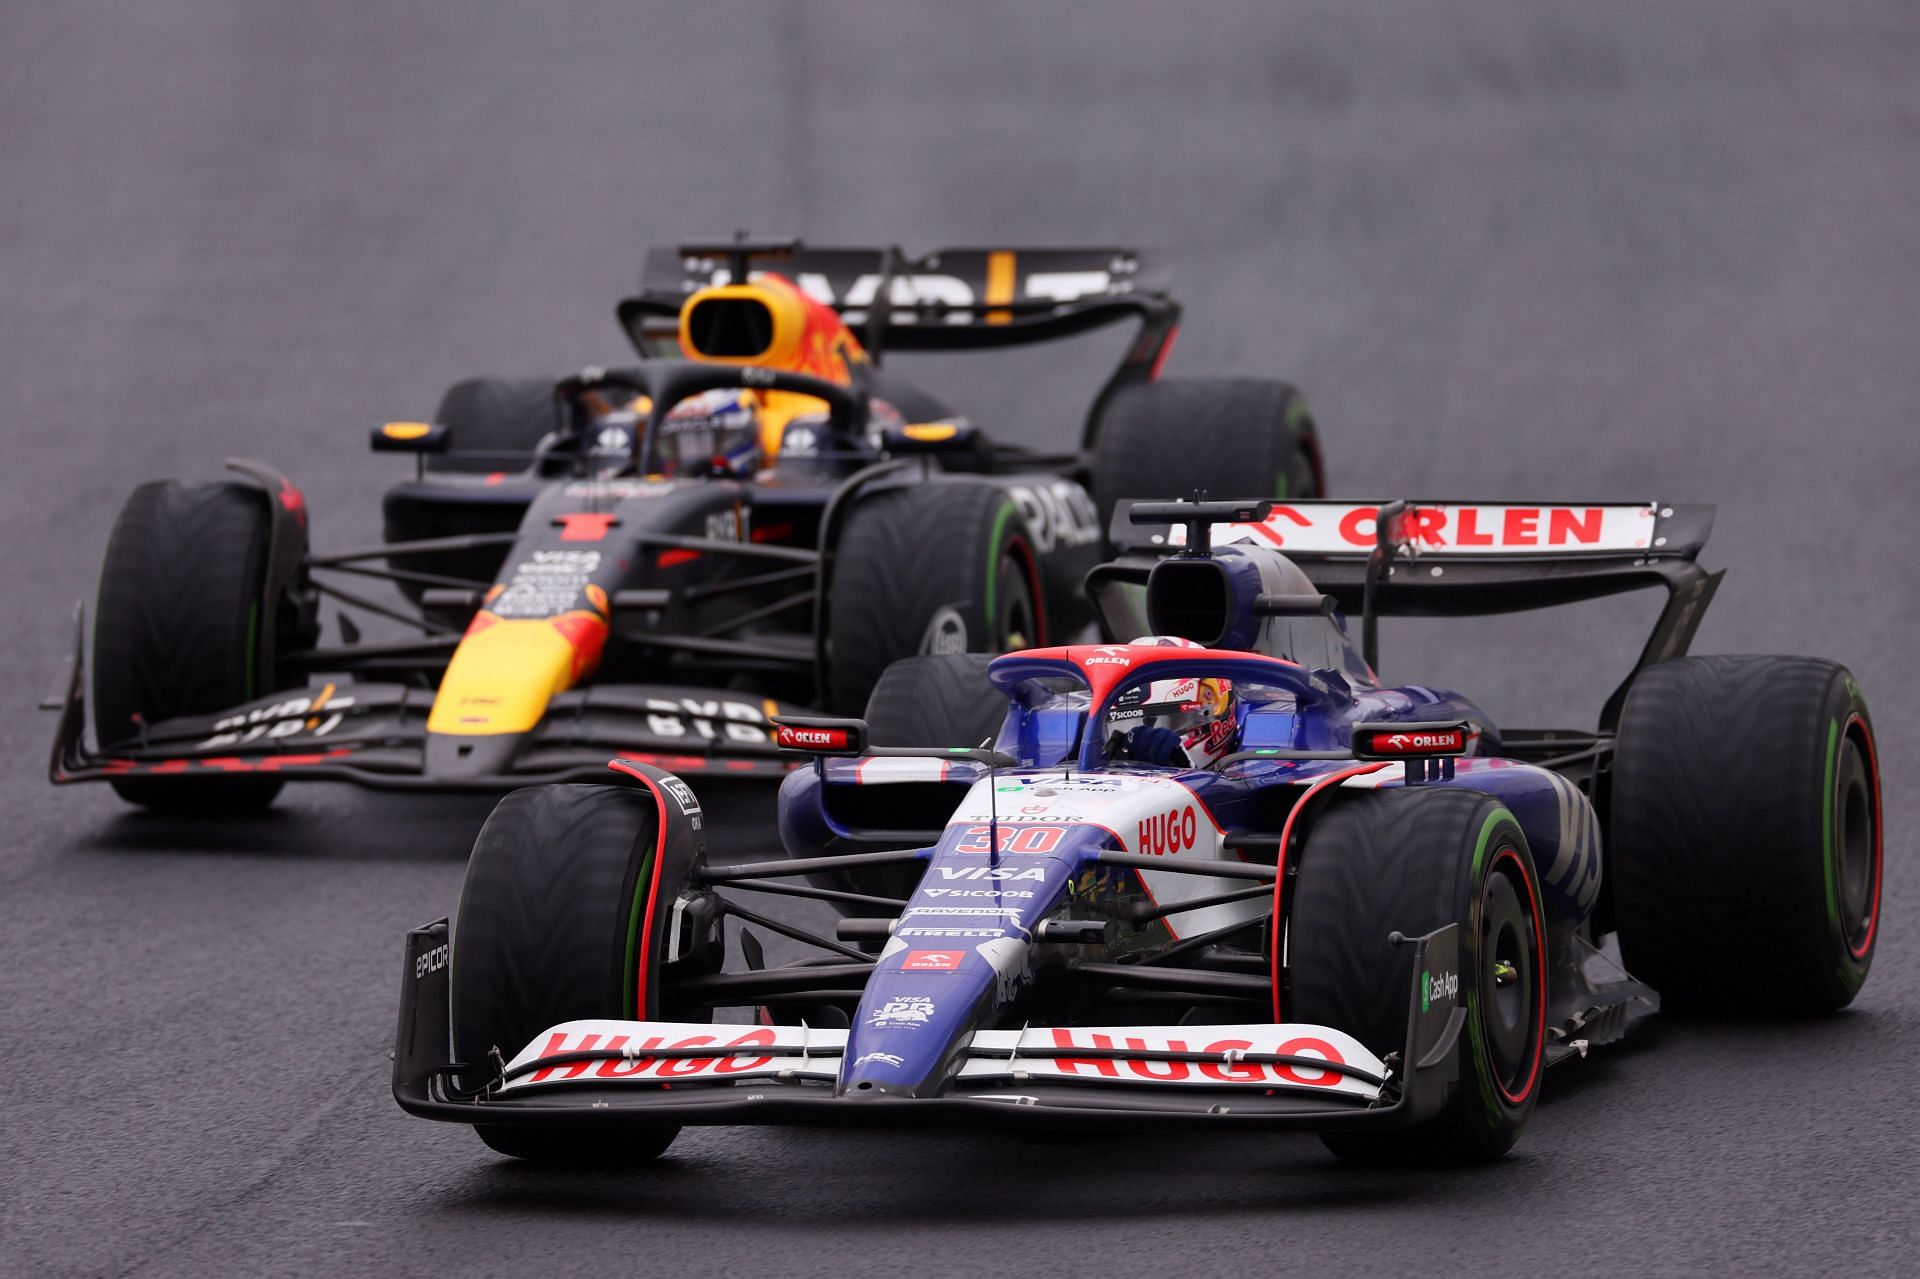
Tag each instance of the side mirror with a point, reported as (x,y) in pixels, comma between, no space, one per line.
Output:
(1445,739)
(819,736)
(412,437)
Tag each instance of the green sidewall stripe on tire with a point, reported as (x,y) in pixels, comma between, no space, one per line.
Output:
(642,891)
(993,566)
(1475,1035)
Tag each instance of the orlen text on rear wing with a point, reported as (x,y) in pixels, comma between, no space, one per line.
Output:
(1454,559)
(963,299)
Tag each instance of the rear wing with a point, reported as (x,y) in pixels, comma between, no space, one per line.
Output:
(1454,558)
(947,300)
(1445,558)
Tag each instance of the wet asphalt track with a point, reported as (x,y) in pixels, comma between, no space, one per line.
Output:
(1527,249)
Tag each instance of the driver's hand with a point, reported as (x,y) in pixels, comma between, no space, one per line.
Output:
(1151,744)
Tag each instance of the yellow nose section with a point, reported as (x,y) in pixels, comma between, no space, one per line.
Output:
(506,671)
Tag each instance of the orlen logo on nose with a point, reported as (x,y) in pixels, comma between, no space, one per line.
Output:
(805,739)
(1419,743)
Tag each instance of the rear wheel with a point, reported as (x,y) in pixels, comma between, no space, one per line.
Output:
(946,568)
(1415,860)
(1745,843)
(501,415)
(1227,437)
(178,628)
(502,419)
(552,927)
(940,699)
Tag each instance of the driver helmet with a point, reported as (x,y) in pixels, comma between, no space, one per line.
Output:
(1201,712)
(713,433)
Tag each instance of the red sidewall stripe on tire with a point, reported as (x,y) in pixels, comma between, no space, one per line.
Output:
(640,987)
(1280,879)
(1037,601)
(1873,771)
(1540,974)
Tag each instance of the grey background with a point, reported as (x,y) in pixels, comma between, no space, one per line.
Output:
(1513,249)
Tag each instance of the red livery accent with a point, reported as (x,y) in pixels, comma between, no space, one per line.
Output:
(1451,742)
(789,737)
(1239,1072)
(1167,833)
(585,526)
(932,961)
(660,1067)
(294,501)
(1011,837)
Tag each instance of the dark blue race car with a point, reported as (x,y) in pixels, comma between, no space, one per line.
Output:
(1214,875)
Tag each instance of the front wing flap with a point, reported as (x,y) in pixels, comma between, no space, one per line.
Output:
(621,1073)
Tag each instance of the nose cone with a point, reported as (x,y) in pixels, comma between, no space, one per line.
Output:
(909,1026)
(459,757)
(497,687)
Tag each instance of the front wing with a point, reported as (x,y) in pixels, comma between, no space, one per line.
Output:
(375,735)
(636,1074)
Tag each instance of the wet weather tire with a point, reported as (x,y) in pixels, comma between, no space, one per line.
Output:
(177,627)
(941,699)
(947,567)
(549,929)
(494,415)
(1746,846)
(1412,861)
(1228,437)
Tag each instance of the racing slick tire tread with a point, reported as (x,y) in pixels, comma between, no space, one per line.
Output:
(950,562)
(494,414)
(176,626)
(1409,860)
(1730,827)
(541,936)
(1227,437)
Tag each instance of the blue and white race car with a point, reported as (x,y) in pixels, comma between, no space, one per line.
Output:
(1214,876)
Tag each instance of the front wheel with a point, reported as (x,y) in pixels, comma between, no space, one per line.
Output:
(1415,860)
(563,917)
(178,629)
(579,1147)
